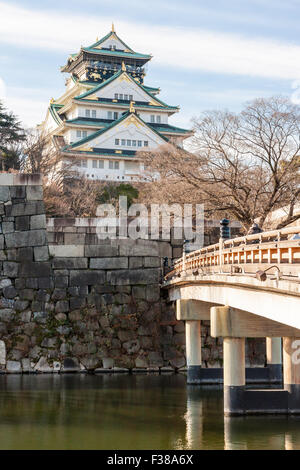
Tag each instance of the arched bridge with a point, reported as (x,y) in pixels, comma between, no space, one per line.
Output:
(247,287)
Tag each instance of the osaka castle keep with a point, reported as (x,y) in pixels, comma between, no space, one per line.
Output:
(107,114)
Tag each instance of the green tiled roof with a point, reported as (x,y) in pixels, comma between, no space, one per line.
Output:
(97,133)
(110,126)
(106,153)
(89,122)
(101,85)
(151,89)
(137,106)
(128,55)
(114,77)
(161,128)
(102,40)
(169,128)
(53,111)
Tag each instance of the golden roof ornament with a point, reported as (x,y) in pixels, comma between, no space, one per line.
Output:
(112,28)
(131,107)
(52,100)
(123,66)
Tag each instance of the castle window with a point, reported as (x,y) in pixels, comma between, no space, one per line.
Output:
(116,115)
(134,143)
(158,119)
(116,96)
(101,163)
(78,133)
(94,113)
(94,163)
(145,143)
(152,118)
(120,96)
(128,143)
(109,114)
(84,134)
(123,142)
(84,163)
(87,113)
(114,165)
(131,97)
(139,143)
(117,141)
(126,97)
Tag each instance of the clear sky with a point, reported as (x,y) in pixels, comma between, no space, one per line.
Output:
(208,54)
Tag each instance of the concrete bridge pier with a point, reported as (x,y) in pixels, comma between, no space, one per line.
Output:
(291,372)
(193,351)
(274,359)
(234,375)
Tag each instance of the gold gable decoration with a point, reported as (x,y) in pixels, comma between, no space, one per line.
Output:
(132,120)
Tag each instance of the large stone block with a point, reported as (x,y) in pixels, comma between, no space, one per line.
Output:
(74,238)
(26,208)
(139,292)
(13,367)
(164,250)
(25,253)
(25,239)
(38,222)
(67,251)
(109,263)
(2,353)
(18,192)
(34,269)
(101,251)
(8,227)
(136,262)
(152,293)
(134,276)
(10,268)
(152,262)
(22,223)
(138,247)
(70,263)
(4,194)
(85,278)
(43,365)
(34,193)
(41,253)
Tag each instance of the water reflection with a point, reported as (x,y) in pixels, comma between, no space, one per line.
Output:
(117,411)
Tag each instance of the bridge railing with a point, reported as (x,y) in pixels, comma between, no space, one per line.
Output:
(246,253)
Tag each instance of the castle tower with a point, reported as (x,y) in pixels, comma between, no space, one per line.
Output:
(107,114)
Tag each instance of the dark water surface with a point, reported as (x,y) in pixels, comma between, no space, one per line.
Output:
(119,411)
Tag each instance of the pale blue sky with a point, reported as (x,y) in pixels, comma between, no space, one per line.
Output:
(207,54)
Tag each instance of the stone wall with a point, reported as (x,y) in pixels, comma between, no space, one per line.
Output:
(81,304)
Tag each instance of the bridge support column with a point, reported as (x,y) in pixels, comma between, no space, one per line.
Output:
(291,372)
(234,375)
(193,351)
(274,359)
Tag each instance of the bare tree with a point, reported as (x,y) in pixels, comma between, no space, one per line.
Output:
(38,156)
(242,165)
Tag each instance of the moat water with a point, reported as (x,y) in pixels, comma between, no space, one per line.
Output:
(117,411)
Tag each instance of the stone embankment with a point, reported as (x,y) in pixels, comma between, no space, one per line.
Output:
(71,302)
